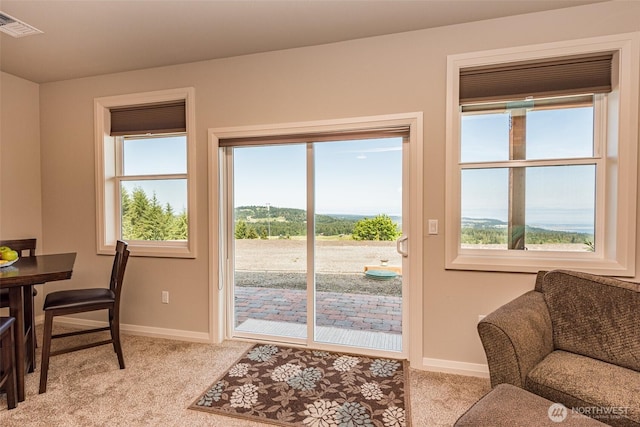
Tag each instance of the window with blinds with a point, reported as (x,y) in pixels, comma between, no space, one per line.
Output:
(532,158)
(145,160)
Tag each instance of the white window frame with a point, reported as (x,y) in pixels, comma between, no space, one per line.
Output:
(617,175)
(108,157)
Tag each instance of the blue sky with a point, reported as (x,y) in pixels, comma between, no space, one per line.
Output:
(351,177)
(158,156)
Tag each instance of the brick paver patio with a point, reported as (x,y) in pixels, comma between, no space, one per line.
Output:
(341,310)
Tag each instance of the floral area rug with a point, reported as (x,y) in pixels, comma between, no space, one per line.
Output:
(299,387)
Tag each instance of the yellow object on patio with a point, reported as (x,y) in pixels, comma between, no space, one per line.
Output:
(395,268)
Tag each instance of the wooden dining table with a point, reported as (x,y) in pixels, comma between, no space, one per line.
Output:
(19,278)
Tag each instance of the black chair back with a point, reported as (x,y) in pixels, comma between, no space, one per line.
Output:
(119,266)
(117,273)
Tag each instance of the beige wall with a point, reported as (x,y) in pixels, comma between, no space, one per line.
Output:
(20,191)
(390,74)
(20,204)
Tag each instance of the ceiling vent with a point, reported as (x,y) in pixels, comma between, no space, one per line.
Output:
(16,28)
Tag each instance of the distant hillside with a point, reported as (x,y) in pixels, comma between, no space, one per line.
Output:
(288,222)
(494,231)
(293,222)
(483,223)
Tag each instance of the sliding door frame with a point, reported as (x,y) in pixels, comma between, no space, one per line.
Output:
(218,217)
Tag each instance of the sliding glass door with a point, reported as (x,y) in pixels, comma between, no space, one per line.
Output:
(269,240)
(358,218)
(313,231)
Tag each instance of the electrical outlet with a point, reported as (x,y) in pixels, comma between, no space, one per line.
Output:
(165,297)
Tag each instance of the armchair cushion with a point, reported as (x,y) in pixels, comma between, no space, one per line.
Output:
(595,316)
(585,383)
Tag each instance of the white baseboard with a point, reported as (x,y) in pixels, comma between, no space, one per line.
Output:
(428,364)
(145,331)
(454,367)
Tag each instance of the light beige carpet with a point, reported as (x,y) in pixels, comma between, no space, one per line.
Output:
(163,377)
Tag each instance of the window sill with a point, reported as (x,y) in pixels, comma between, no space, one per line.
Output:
(145,249)
(532,262)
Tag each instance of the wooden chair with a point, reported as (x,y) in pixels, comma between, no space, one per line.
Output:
(25,248)
(8,366)
(21,245)
(73,301)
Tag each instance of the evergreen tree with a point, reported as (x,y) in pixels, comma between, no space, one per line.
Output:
(154,220)
(241,230)
(181,226)
(126,224)
(252,233)
(145,219)
(139,209)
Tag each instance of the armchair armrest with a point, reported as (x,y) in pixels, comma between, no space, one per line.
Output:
(516,337)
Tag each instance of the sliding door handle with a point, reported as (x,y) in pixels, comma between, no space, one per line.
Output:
(401,246)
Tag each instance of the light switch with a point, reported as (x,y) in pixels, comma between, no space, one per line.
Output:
(433,226)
